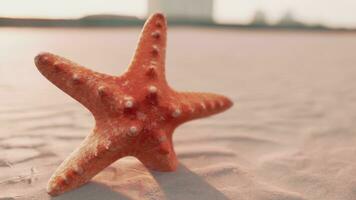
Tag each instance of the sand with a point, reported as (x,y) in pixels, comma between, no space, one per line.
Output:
(291,134)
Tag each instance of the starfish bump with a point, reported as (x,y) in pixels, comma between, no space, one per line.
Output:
(135,113)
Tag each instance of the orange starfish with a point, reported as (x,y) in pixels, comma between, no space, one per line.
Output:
(135,113)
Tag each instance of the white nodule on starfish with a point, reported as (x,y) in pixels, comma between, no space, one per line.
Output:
(77,169)
(176,113)
(202,104)
(65,179)
(111,147)
(155,48)
(125,83)
(108,145)
(45,58)
(75,77)
(151,71)
(221,103)
(191,109)
(156,34)
(96,151)
(56,63)
(159,24)
(101,90)
(128,103)
(152,89)
(133,131)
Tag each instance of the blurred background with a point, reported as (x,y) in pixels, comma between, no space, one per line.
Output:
(275,13)
(288,65)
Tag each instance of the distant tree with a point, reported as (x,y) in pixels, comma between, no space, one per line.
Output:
(259,19)
(288,20)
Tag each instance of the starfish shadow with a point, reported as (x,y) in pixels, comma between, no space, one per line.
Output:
(92,191)
(185,184)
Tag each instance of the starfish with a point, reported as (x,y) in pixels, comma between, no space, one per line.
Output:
(135,113)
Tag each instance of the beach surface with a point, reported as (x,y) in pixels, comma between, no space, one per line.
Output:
(290,135)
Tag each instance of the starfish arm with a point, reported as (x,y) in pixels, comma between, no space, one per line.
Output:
(94,154)
(149,58)
(162,158)
(198,105)
(84,85)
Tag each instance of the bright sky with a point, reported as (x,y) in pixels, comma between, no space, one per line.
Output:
(336,13)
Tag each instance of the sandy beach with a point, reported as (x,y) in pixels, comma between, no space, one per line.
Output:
(290,135)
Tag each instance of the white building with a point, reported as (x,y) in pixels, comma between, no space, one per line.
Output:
(186,10)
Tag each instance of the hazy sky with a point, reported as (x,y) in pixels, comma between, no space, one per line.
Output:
(331,12)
